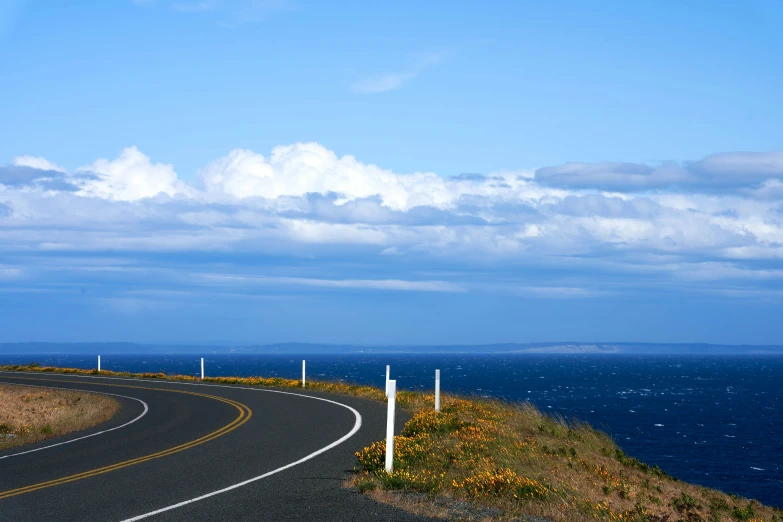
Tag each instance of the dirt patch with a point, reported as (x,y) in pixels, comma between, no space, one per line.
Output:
(30,414)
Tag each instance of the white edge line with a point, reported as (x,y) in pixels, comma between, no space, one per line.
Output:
(345,437)
(357,425)
(143,413)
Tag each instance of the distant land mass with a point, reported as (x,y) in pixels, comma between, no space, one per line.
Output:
(222,347)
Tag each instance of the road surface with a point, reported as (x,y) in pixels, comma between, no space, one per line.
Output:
(191,451)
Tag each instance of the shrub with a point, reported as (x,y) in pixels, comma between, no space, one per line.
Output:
(407,451)
(718,504)
(499,483)
(424,481)
(366,485)
(745,513)
(432,422)
(684,503)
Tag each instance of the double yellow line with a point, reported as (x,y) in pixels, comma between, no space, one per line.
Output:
(244,415)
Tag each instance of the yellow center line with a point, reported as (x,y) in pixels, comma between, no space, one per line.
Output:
(244,415)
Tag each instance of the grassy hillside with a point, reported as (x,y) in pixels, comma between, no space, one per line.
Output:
(519,461)
(510,460)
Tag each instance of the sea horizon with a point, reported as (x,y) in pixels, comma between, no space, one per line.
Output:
(554,348)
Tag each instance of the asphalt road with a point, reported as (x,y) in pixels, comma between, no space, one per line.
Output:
(172,443)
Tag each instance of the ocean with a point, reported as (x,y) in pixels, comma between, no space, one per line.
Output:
(711,420)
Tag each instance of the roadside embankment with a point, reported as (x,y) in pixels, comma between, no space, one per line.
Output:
(30,414)
(512,462)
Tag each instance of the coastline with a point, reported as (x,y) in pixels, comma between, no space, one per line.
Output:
(507,458)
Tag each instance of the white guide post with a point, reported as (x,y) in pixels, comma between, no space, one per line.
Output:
(437,390)
(99,363)
(390,425)
(387,380)
(202,368)
(303,373)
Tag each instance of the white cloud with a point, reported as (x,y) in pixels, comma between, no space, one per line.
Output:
(384,82)
(371,284)
(130,305)
(37,163)
(313,232)
(10,272)
(252,11)
(304,200)
(730,168)
(717,171)
(722,271)
(304,168)
(129,177)
(389,81)
(190,7)
(231,13)
(558,292)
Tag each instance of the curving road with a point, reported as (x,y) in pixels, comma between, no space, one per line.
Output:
(190,451)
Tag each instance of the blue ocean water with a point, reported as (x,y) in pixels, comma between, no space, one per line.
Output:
(715,421)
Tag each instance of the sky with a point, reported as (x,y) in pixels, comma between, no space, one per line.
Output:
(391,173)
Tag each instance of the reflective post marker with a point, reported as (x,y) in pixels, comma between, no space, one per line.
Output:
(303,373)
(99,363)
(387,380)
(202,368)
(437,390)
(390,425)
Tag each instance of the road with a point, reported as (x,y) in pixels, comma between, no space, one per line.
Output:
(184,452)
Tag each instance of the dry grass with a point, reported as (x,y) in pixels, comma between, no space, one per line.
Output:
(516,461)
(29,414)
(508,461)
(355,390)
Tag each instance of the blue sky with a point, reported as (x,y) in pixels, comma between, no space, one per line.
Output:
(409,172)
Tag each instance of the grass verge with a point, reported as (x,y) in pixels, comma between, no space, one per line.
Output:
(516,463)
(29,414)
(505,461)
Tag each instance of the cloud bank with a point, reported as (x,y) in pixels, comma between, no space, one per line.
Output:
(731,170)
(561,231)
(390,81)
